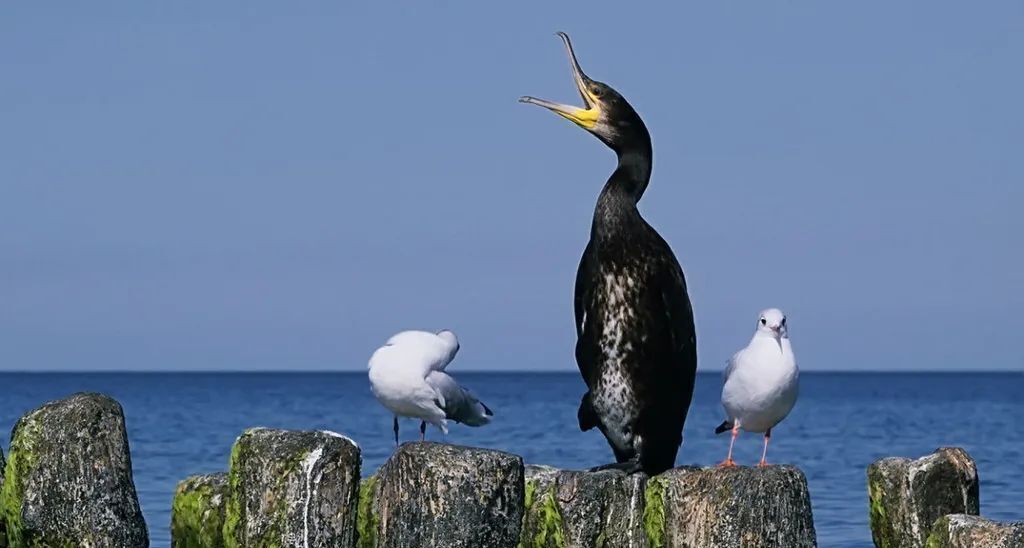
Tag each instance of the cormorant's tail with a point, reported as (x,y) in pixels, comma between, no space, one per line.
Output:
(586,415)
(724,427)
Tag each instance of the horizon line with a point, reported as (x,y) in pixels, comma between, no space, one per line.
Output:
(470,371)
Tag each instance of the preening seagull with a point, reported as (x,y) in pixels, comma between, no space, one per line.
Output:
(761,382)
(407,376)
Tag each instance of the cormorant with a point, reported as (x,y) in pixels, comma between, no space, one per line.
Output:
(636,346)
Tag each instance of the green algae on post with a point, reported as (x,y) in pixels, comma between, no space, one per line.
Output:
(292,488)
(69,480)
(906,496)
(880,525)
(530,488)
(549,531)
(366,518)
(198,511)
(21,460)
(654,512)
(233,511)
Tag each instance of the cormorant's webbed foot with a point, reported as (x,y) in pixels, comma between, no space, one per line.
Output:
(629,467)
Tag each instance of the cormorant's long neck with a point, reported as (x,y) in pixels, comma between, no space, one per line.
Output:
(616,207)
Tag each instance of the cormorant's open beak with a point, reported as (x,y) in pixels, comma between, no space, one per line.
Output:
(587,117)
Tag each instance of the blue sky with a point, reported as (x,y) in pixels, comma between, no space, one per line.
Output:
(269,185)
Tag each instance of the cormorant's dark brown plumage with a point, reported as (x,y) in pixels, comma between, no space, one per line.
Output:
(636,346)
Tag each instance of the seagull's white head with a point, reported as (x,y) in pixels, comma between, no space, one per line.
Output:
(772,322)
(449,338)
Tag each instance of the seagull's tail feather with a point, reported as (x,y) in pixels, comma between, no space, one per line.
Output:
(724,427)
(480,414)
(459,404)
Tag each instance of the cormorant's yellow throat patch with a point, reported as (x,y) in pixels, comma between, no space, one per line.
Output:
(587,117)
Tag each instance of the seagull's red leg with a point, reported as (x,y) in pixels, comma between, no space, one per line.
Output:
(767,436)
(423,430)
(728,462)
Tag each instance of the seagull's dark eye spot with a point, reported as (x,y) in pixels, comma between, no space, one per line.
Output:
(783,322)
(764,321)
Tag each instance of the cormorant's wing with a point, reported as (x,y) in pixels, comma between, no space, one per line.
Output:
(586,327)
(581,293)
(679,311)
(459,404)
(673,367)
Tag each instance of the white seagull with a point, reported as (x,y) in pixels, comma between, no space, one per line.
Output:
(761,382)
(407,376)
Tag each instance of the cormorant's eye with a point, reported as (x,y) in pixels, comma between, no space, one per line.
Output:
(596,91)
(764,321)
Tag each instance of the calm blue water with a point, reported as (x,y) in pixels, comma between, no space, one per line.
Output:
(183,424)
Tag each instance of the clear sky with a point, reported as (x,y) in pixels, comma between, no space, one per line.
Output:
(283,185)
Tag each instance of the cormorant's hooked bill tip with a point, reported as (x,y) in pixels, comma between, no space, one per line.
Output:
(586,117)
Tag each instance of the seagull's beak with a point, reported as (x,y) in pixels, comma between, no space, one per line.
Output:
(777,334)
(586,117)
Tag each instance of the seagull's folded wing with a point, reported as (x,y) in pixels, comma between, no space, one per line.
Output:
(735,362)
(730,366)
(460,404)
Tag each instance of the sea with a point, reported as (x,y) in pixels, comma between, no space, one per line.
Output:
(181,424)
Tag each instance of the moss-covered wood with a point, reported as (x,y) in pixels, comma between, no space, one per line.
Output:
(654,512)
(906,497)
(542,521)
(197,512)
(292,488)
(566,508)
(684,507)
(366,520)
(748,507)
(68,479)
(964,531)
(3,526)
(432,494)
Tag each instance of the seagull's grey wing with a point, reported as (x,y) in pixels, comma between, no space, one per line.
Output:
(730,366)
(459,404)
(736,361)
